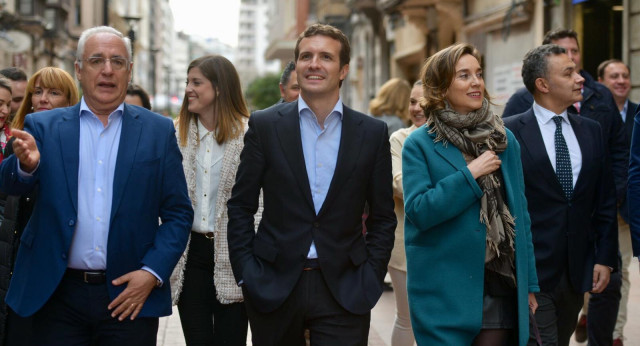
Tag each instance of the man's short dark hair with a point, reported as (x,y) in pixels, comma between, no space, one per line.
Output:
(14,74)
(286,74)
(535,63)
(558,34)
(136,90)
(603,66)
(330,31)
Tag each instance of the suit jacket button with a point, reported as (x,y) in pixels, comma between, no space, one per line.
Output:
(316,224)
(64,256)
(72,222)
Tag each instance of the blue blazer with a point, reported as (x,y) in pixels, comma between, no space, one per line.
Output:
(148,184)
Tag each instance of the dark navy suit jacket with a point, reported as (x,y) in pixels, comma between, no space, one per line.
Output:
(270,261)
(568,235)
(597,104)
(148,184)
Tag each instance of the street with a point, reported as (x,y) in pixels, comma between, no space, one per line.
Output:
(382,317)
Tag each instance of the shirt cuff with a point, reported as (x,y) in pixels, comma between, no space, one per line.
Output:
(154,274)
(24,175)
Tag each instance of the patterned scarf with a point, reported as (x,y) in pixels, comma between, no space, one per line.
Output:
(473,134)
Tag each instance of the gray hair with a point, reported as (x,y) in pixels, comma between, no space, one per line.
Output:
(87,34)
(286,74)
(535,63)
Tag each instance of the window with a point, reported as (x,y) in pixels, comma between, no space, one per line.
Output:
(77,20)
(50,18)
(25,7)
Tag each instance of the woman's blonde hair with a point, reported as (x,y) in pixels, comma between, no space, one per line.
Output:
(50,77)
(392,99)
(229,105)
(438,72)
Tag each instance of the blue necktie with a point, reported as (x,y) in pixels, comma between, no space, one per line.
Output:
(563,160)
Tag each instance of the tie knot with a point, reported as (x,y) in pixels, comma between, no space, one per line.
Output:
(558,120)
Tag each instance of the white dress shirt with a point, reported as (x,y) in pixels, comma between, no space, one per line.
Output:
(548,130)
(208,166)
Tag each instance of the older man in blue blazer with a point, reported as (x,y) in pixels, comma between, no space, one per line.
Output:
(94,262)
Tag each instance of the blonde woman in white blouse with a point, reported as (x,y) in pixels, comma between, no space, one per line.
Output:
(402,334)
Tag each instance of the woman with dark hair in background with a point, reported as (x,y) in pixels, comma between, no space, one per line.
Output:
(137,96)
(471,273)
(48,88)
(210,130)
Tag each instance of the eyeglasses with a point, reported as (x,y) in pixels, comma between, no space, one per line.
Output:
(98,63)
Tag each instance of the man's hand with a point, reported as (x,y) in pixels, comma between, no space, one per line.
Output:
(26,150)
(140,283)
(601,275)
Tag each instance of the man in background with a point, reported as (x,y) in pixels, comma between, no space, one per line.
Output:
(615,75)
(289,88)
(18,86)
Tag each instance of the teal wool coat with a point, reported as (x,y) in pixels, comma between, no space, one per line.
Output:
(445,240)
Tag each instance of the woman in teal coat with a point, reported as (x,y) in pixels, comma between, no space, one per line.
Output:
(470,265)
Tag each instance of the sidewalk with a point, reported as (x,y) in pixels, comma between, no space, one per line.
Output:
(382,317)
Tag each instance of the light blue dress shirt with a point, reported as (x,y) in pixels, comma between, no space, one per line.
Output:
(320,147)
(97,163)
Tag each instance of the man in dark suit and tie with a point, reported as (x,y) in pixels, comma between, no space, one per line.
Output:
(569,190)
(597,104)
(94,263)
(317,162)
(615,75)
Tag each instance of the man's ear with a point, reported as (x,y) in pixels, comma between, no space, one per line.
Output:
(542,85)
(281,90)
(77,69)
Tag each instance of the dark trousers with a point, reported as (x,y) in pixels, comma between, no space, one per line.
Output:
(205,321)
(310,306)
(557,314)
(77,314)
(18,330)
(603,312)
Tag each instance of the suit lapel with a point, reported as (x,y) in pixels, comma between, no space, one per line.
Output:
(350,145)
(531,141)
(129,141)
(586,148)
(70,149)
(288,131)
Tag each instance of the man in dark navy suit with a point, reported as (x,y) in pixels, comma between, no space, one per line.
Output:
(94,263)
(317,162)
(569,191)
(597,104)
